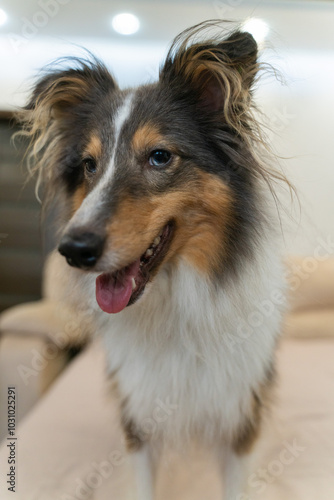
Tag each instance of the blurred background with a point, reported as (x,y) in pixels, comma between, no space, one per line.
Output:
(296,37)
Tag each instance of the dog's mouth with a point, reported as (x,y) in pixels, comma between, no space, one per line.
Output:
(115,291)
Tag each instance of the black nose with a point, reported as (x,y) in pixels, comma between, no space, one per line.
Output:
(81,250)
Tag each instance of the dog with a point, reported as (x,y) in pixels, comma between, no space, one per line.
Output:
(168,236)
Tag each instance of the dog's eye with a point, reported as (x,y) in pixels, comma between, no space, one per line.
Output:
(159,158)
(89,165)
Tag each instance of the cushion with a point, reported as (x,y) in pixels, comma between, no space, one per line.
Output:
(72,444)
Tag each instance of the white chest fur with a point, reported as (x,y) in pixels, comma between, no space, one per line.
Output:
(197,350)
(187,350)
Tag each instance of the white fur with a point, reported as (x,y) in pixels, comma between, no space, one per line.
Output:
(144,474)
(180,344)
(184,364)
(91,205)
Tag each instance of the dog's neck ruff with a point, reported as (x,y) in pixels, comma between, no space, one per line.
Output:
(181,305)
(187,340)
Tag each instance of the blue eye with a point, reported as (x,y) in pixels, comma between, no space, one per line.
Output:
(159,158)
(89,165)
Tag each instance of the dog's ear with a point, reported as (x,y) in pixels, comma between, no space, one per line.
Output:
(59,101)
(220,73)
(59,92)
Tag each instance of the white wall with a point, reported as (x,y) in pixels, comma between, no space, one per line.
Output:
(302,116)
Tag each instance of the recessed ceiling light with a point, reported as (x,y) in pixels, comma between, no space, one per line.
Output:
(125,24)
(256,27)
(3,17)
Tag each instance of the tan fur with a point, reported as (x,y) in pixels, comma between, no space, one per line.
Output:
(248,434)
(182,316)
(78,197)
(202,212)
(64,93)
(207,223)
(201,64)
(132,439)
(42,123)
(94,147)
(145,137)
(94,150)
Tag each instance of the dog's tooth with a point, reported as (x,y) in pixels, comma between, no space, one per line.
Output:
(149,252)
(156,241)
(133,283)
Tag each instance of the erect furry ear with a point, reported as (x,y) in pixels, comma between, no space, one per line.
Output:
(59,100)
(221,72)
(61,90)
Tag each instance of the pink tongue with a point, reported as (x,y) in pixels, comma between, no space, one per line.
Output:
(113,292)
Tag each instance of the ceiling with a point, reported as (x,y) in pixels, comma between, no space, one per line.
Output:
(299,23)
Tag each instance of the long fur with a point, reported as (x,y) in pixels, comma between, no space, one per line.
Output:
(200,336)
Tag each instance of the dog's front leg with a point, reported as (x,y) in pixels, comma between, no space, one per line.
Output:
(144,472)
(237,458)
(235,472)
(144,456)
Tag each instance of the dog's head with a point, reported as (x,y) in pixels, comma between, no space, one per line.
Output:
(154,174)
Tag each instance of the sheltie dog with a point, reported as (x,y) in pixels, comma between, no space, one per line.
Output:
(169,237)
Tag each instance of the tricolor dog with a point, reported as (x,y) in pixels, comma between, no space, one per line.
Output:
(168,233)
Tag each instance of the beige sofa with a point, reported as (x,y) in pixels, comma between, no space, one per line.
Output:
(70,446)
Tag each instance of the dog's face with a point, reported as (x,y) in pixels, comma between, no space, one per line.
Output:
(151,174)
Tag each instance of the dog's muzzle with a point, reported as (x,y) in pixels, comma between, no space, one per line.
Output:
(82,250)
